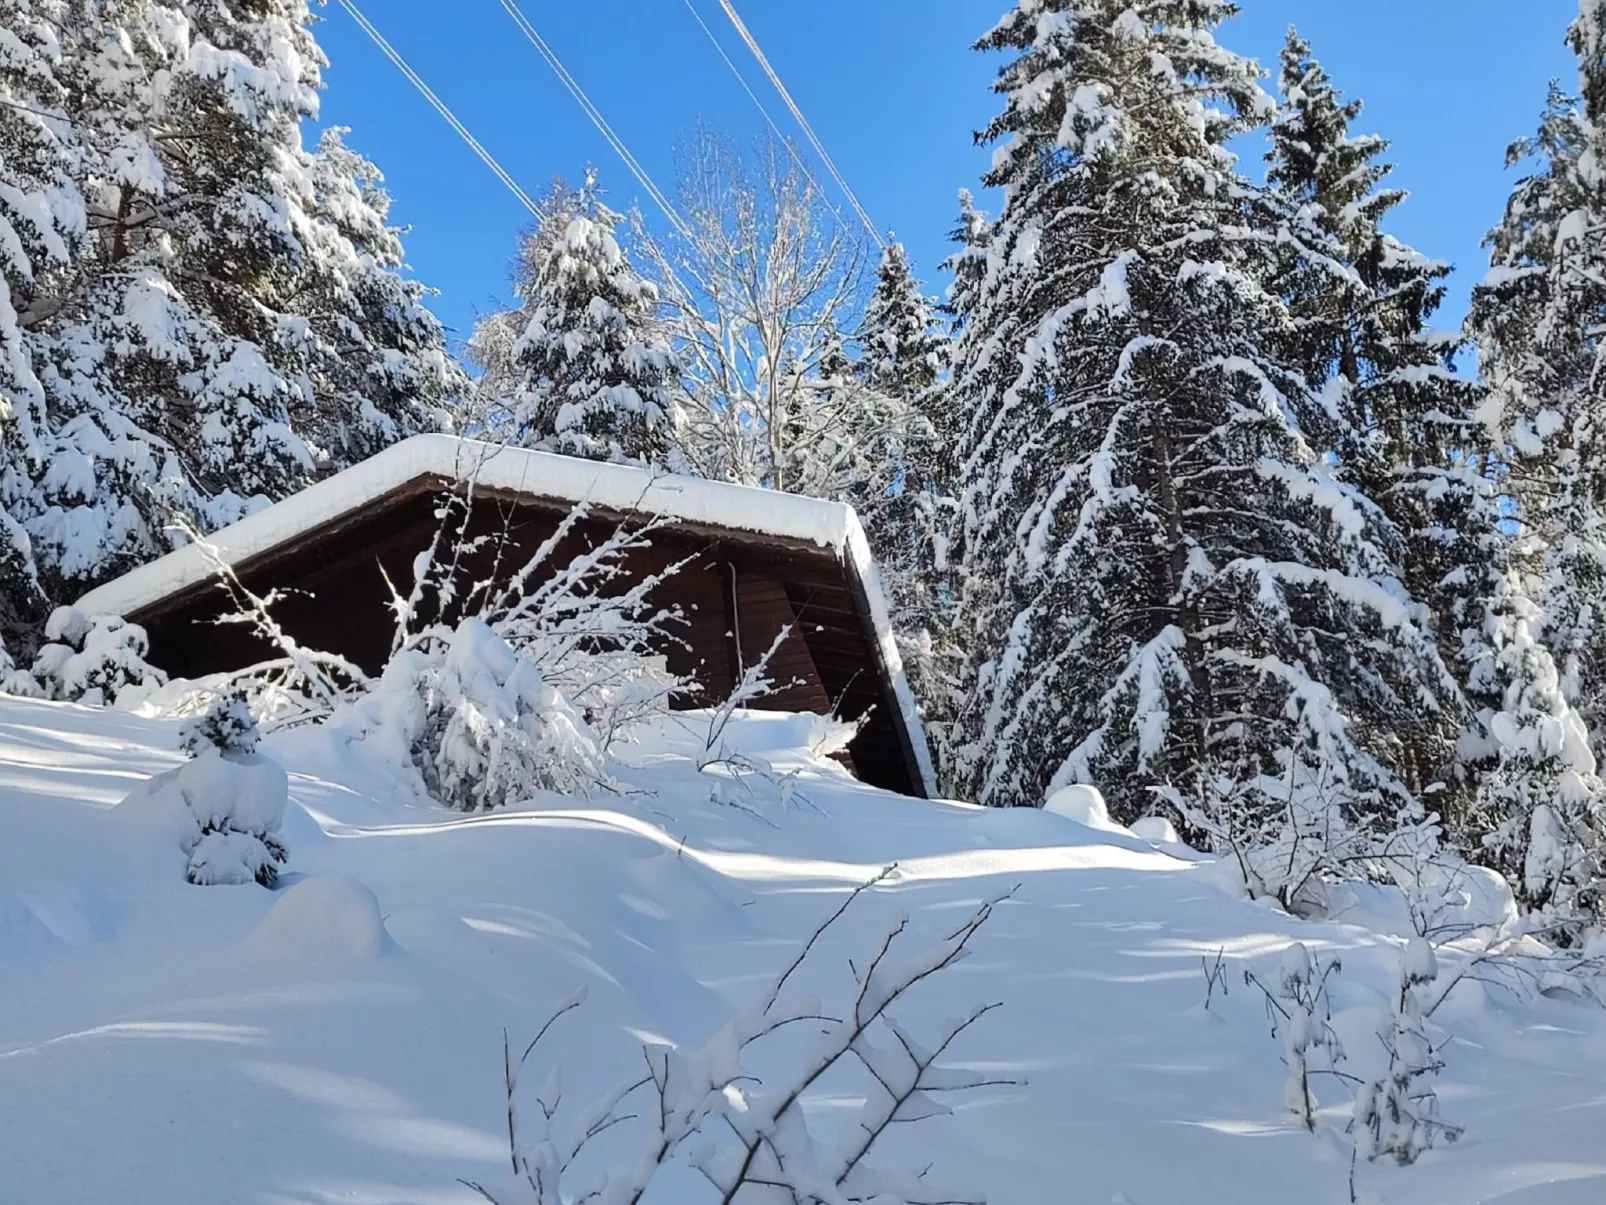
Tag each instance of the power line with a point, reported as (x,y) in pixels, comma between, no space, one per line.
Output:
(486,157)
(797,114)
(759,105)
(595,114)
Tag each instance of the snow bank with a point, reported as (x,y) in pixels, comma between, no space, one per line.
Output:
(321,919)
(1085,805)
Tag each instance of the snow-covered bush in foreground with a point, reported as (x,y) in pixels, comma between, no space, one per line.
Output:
(749,1139)
(480,723)
(94,659)
(1300,1014)
(225,806)
(495,688)
(1397,1114)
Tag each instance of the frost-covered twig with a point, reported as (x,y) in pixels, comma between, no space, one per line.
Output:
(310,682)
(754,1137)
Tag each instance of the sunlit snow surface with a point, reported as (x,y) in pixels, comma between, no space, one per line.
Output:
(167,1043)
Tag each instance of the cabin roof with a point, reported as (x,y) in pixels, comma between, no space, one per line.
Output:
(740,514)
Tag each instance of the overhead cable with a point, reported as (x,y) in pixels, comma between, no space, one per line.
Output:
(788,143)
(424,89)
(595,114)
(797,114)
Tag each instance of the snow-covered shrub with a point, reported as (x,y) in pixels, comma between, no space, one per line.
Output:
(762,1147)
(1397,1114)
(601,648)
(480,722)
(14,681)
(225,806)
(1298,1007)
(95,659)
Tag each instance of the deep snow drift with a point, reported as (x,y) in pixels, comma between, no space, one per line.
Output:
(339,1039)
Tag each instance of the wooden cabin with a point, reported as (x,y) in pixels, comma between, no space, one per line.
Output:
(757,561)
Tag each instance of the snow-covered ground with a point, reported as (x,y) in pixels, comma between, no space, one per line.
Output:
(161,1042)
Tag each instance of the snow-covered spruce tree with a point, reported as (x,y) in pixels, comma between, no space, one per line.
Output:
(905,501)
(1538,317)
(1539,815)
(495,337)
(41,220)
(224,807)
(94,659)
(1169,595)
(1403,428)
(593,374)
(1406,434)
(225,331)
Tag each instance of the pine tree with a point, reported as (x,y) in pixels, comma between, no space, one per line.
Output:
(41,220)
(495,337)
(1537,317)
(594,373)
(1403,426)
(1176,600)
(229,324)
(1540,811)
(904,502)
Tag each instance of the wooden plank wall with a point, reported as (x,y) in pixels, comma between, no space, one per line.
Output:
(335,598)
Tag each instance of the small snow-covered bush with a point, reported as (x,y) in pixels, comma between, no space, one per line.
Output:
(1300,1015)
(225,806)
(14,681)
(480,723)
(1397,1114)
(95,659)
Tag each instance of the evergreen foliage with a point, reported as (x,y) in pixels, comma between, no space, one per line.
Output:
(212,315)
(1167,591)
(590,373)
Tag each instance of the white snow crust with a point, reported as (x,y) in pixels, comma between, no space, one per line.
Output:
(340,1038)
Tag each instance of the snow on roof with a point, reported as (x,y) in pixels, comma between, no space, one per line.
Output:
(492,466)
(830,525)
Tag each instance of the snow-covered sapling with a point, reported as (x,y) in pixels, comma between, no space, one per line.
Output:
(94,659)
(1397,1114)
(237,795)
(1298,1008)
(482,724)
(225,805)
(753,1136)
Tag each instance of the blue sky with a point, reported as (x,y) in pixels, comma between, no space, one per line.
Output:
(894,92)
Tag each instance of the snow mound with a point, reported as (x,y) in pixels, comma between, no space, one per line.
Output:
(1157,829)
(1085,805)
(322,919)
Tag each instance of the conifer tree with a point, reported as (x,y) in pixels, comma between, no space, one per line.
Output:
(1538,318)
(594,373)
(41,220)
(228,323)
(1168,594)
(1403,426)
(904,502)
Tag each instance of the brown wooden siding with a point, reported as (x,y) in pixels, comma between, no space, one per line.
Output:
(333,596)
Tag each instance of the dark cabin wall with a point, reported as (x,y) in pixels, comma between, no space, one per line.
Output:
(730,595)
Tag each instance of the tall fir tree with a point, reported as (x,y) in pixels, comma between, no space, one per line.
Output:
(1168,593)
(905,504)
(1403,425)
(1538,317)
(230,323)
(41,221)
(591,372)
